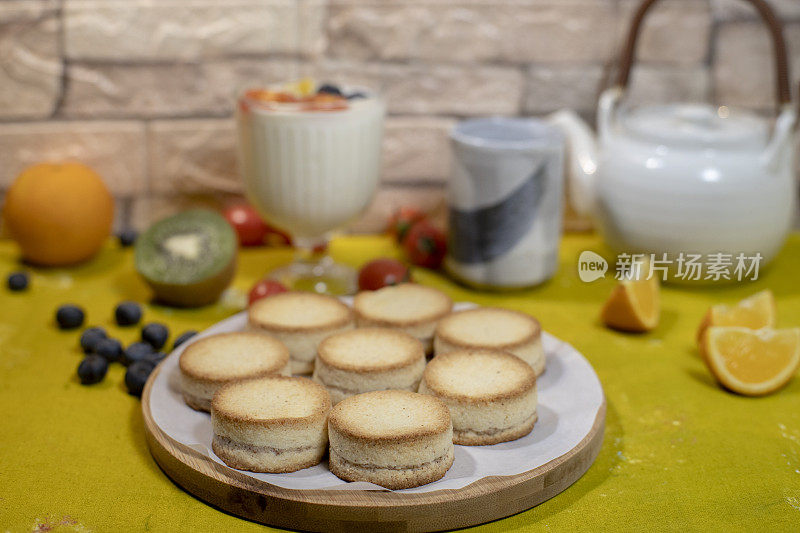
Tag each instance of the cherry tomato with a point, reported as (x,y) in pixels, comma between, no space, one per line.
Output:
(402,220)
(249,226)
(381,273)
(276,237)
(264,288)
(425,245)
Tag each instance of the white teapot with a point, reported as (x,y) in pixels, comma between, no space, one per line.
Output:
(689,178)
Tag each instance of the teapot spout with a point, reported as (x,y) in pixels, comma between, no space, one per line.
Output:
(581,160)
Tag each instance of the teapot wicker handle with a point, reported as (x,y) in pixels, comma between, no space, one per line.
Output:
(773,24)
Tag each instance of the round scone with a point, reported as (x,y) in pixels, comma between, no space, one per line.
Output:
(368,359)
(209,363)
(414,309)
(300,320)
(395,439)
(491,394)
(273,424)
(492,328)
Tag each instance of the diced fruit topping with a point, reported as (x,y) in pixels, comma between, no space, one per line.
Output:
(128,314)
(381,273)
(17,281)
(155,335)
(138,351)
(136,376)
(109,349)
(92,369)
(329,88)
(69,316)
(264,288)
(90,337)
(183,337)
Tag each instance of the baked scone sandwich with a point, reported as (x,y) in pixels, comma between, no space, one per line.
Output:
(273,424)
(209,363)
(368,359)
(395,439)
(492,328)
(300,320)
(491,394)
(414,309)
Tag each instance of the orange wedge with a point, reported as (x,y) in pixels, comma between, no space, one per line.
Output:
(633,305)
(752,362)
(755,312)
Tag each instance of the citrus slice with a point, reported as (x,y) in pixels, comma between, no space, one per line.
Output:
(752,362)
(755,312)
(633,304)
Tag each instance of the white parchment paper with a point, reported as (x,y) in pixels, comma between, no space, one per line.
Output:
(570,396)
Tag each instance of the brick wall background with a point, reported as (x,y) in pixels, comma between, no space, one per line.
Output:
(142,90)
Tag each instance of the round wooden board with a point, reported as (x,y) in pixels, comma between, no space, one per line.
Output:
(345,510)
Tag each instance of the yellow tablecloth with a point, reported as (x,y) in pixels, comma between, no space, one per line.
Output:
(679,452)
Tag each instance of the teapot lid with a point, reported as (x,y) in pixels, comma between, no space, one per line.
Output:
(696,124)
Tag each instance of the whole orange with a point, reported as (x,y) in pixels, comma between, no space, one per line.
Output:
(59,213)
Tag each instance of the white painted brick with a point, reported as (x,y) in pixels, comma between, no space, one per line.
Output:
(553,87)
(651,84)
(165,90)
(435,88)
(114,149)
(743,10)
(522,31)
(416,149)
(675,31)
(193,157)
(30,66)
(170,29)
(743,71)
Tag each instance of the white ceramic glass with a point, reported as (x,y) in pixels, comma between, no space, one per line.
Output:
(311,172)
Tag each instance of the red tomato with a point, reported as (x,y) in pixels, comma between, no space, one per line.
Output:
(264,288)
(402,220)
(381,273)
(249,226)
(276,237)
(425,245)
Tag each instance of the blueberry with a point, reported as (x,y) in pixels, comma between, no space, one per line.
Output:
(138,351)
(128,314)
(356,95)
(17,281)
(156,357)
(90,337)
(329,88)
(136,376)
(110,349)
(185,336)
(127,237)
(69,316)
(156,334)
(92,369)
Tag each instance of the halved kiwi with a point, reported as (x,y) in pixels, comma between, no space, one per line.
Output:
(188,259)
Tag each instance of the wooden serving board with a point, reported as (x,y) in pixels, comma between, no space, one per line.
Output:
(347,510)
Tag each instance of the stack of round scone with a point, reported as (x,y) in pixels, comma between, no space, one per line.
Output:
(411,308)
(300,320)
(491,394)
(395,439)
(368,359)
(386,415)
(492,328)
(211,362)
